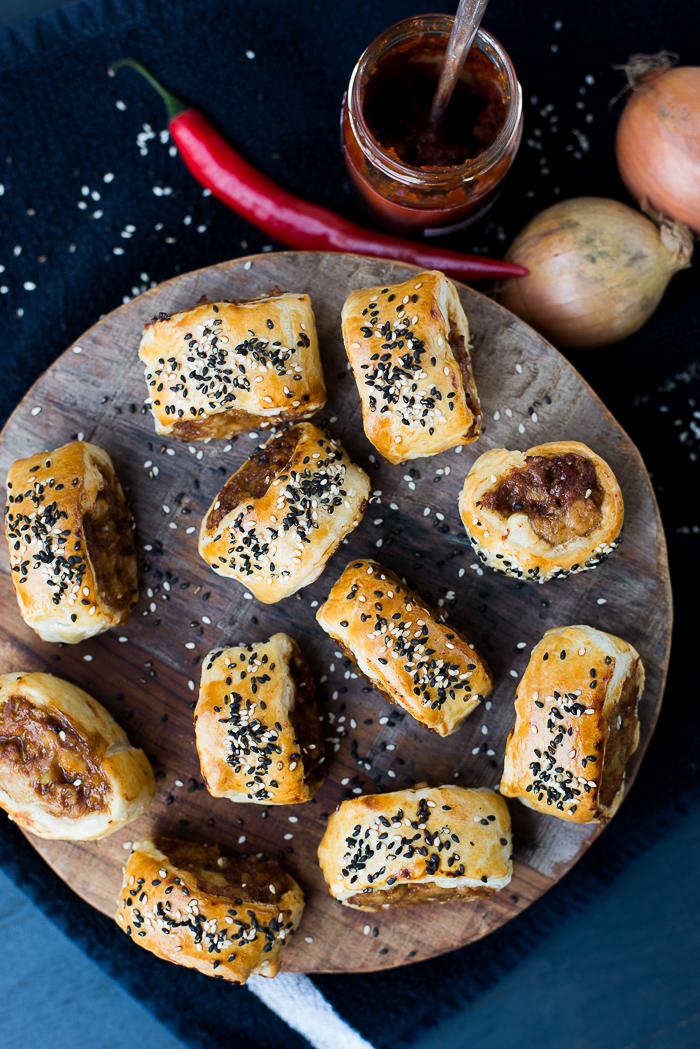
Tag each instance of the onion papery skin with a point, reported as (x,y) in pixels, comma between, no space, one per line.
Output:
(597,271)
(658,143)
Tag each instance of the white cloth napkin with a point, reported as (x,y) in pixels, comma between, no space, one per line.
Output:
(295,999)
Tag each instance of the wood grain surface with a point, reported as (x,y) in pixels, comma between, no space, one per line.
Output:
(147,672)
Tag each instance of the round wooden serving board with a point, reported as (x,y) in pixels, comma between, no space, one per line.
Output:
(147,673)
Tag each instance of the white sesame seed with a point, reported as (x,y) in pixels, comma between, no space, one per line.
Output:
(293,819)
(37,410)
(88,658)
(602,601)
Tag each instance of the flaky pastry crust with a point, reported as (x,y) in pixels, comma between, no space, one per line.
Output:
(408,345)
(256,724)
(576,725)
(278,519)
(422,845)
(71,543)
(425,666)
(225,367)
(226,916)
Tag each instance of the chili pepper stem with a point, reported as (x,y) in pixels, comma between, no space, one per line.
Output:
(174,105)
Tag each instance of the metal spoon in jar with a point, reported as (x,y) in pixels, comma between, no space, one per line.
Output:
(466,23)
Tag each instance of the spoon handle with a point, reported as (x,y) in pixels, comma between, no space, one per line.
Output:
(466,24)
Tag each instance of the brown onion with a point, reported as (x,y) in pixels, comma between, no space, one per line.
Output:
(658,137)
(598,270)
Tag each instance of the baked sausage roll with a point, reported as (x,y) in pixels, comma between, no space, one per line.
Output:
(67,770)
(225,367)
(423,845)
(227,916)
(425,666)
(279,518)
(71,541)
(408,345)
(576,725)
(256,724)
(544,513)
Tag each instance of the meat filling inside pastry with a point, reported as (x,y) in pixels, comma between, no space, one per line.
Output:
(67,770)
(544,513)
(560,495)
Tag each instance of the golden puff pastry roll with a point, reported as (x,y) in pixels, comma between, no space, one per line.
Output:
(70,535)
(225,367)
(544,513)
(227,916)
(422,845)
(423,665)
(408,345)
(256,724)
(67,770)
(278,519)
(576,725)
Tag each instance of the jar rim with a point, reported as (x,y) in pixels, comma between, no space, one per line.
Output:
(437,25)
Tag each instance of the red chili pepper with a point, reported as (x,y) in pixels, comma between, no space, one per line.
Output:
(295,222)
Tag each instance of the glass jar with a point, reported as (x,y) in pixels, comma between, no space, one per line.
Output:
(411,199)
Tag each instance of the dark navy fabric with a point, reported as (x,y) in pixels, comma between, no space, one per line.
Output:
(95,206)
